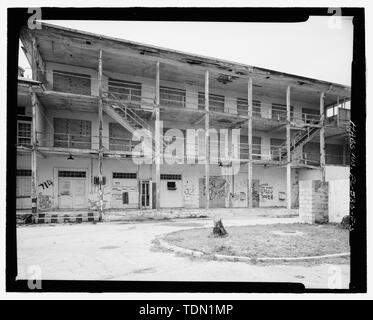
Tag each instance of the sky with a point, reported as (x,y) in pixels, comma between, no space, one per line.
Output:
(320,48)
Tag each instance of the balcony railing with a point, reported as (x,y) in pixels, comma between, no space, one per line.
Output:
(260,152)
(313,159)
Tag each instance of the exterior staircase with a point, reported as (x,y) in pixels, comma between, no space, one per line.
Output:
(300,140)
(129,119)
(125,116)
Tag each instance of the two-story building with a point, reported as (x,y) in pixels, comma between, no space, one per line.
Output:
(77,146)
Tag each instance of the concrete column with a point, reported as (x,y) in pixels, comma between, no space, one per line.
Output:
(322,136)
(207,140)
(157,129)
(250,143)
(288,166)
(100,145)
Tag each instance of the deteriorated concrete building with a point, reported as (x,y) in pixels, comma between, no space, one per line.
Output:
(93,100)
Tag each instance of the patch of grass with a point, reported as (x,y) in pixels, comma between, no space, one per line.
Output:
(259,241)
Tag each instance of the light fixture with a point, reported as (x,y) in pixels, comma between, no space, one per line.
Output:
(70,157)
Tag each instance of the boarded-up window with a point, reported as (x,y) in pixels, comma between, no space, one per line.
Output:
(334,154)
(172,97)
(256,148)
(120,138)
(71,82)
(242,107)
(125,90)
(279,112)
(72,133)
(23,187)
(216,102)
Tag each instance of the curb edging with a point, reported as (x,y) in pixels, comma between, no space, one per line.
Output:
(222,257)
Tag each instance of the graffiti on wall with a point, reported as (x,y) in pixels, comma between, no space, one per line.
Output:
(218,188)
(94,200)
(189,191)
(46,184)
(45,201)
(266,192)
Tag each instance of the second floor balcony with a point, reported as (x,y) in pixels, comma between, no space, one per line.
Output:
(262,153)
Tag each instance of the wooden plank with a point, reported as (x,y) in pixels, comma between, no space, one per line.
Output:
(67,151)
(34,156)
(157,138)
(100,154)
(250,143)
(288,166)
(207,141)
(322,136)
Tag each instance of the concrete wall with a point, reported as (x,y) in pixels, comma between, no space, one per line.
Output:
(313,201)
(339,199)
(271,183)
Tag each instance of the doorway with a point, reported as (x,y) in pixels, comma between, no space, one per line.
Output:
(144,194)
(71,189)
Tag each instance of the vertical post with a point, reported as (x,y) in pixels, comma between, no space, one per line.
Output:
(34,67)
(157,139)
(34,173)
(100,145)
(288,166)
(250,143)
(322,136)
(207,140)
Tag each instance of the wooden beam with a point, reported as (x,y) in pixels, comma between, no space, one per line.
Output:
(207,140)
(34,156)
(100,144)
(322,136)
(157,127)
(288,166)
(37,63)
(250,143)
(58,150)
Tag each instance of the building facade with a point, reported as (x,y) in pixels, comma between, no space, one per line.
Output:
(94,102)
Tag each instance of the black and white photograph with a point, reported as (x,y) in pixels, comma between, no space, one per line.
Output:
(185,150)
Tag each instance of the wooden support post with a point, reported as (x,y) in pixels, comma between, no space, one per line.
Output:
(288,166)
(101,149)
(322,136)
(34,156)
(34,67)
(157,139)
(207,140)
(250,143)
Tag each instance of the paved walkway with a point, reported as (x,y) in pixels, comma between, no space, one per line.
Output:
(124,251)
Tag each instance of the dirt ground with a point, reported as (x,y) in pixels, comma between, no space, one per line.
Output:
(276,240)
